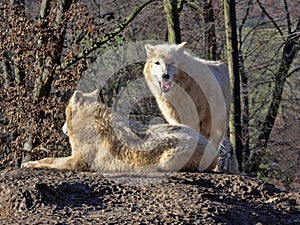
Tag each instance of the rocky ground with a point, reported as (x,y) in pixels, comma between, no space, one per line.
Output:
(34,196)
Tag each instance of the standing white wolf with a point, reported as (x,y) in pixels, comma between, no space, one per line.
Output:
(189,90)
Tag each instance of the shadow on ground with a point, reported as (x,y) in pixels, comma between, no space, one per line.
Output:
(38,196)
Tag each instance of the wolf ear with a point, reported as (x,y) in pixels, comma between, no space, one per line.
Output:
(77,99)
(180,47)
(93,94)
(149,49)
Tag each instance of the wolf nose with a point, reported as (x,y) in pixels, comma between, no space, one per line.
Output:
(165,76)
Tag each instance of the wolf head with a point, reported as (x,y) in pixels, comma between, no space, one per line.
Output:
(163,62)
(77,100)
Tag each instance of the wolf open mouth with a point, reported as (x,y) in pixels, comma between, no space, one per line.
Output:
(165,85)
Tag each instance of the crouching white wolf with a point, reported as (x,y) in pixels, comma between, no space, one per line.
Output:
(190,91)
(101,140)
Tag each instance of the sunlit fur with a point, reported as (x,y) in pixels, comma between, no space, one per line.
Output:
(174,104)
(102,140)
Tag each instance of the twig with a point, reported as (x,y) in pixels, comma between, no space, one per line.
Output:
(104,40)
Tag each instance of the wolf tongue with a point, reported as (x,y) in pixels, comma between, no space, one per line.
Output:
(165,85)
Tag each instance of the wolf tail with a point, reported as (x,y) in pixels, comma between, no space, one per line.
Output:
(227,158)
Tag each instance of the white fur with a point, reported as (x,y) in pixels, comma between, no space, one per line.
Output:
(211,77)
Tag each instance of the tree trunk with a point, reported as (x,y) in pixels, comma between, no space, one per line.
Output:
(245,112)
(244,92)
(210,32)
(171,11)
(233,64)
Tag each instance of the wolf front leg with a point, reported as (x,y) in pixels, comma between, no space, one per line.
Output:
(63,163)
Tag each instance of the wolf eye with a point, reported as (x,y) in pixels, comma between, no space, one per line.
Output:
(157,63)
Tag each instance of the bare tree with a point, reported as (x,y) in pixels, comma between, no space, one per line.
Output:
(269,64)
(233,64)
(290,49)
(245,113)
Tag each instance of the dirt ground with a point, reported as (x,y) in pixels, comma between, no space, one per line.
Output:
(38,196)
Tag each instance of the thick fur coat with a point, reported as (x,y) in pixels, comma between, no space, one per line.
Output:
(190,91)
(103,141)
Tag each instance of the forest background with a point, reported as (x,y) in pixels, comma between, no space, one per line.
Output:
(46,47)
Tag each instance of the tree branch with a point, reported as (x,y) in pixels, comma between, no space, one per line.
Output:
(270,18)
(288,19)
(104,40)
(293,71)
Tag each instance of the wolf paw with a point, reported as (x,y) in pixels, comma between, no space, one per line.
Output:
(30,164)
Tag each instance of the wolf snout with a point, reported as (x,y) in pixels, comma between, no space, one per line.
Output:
(165,76)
